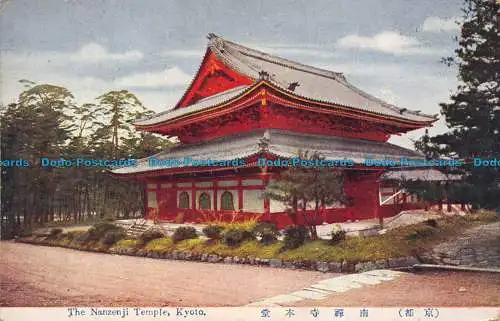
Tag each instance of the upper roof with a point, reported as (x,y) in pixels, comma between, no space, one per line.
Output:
(315,84)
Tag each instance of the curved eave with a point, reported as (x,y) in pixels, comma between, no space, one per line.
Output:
(347,111)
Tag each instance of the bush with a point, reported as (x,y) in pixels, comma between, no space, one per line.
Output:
(160,245)
(266,232)
(431,222)
(337,235)
(100,229)
(55,231)
(97,233)
(213,232)
(113,236)
(420,232)
(184,233)
(235,236)
(150,235)
(295,236)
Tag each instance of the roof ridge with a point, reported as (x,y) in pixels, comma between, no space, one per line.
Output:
(218,42)
(218,45)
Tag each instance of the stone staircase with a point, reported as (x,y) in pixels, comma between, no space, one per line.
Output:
(136,228)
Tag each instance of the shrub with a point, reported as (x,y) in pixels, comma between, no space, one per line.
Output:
(100,229)
(96,233)
(113,236)
(420,232)
(267,232)
(295,236)
(337,235)
(126,244)
(55,231)
(213,232)
(431,222)
(235,236)
(160,245)
(150,235)
(184,233)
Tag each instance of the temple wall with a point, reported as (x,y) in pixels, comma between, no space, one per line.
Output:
(252,201)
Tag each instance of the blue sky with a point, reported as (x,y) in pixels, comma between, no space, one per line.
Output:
(389,48)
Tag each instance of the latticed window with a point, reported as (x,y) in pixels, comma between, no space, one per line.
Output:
(227,201)
(184,200)
(204,201)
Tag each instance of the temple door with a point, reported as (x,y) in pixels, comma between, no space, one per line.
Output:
(168,204)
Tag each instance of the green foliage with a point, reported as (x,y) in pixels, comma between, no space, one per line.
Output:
(150,235)
(113,236)
(55,232)
(421,232)
(189,244)
(473,115)
(337,235)
(431,222)
(295,236)
(126,244)
(266,232)
(159,245)
(46,121)
(235,236)
(213,232)
(184,233)
(304,190)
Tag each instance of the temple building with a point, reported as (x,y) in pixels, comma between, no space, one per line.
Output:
(244,105)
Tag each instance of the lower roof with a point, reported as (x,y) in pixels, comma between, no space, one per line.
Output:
(421,174)
(279,143)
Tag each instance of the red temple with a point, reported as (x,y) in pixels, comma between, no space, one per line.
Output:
(246,104)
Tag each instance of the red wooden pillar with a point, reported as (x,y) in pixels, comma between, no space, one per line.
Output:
(376,202)
(193,202)
(145,186)
(240,195)
(216,191)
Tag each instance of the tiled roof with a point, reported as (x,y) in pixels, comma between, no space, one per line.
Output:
(281,143)
(423,174)
(198,106)
(313,83)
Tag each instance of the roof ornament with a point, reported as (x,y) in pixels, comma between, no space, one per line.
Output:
(264,142)
(216,42)
(402,110)
(293,85)
(417,112)
(264,75)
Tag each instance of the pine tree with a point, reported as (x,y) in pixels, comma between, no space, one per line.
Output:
(305,191)
(473,115)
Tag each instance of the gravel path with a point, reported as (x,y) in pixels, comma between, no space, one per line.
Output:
(50,276)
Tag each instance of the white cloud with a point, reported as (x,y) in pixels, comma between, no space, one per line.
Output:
(436,24)
(169,77)
(184,53)
(387,41)
(91,53)
(94,52)
(71,70)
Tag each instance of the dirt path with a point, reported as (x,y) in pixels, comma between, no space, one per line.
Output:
(49,276)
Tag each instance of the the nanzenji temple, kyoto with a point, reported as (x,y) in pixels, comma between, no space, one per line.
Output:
(244,104)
